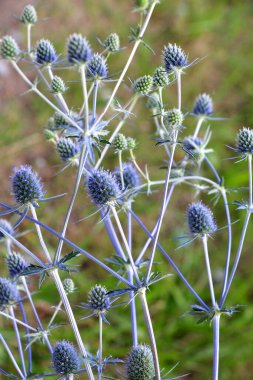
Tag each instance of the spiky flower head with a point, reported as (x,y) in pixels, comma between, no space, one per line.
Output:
(97,67)
(139,363)
(58,85)
(45,52)
(59,121)
(244,141)
(78,49)
(174,58)
(29,15)
(143,85)
(65,358)
(160,77)
(98,299)
(200,219)
(119,142)
(173,118)
(153,102)
(16,264)
(8,293)
(6,226)
(130,176)
(191,146)
(141,5)
(131,143)
(68,285)
(103,187)
(67,149)
(8,48)
(26,185)
(112,43)
(203,105)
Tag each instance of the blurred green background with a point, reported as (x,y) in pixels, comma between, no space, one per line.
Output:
(220,32)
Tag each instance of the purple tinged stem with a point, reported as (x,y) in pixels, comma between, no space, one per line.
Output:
(20,348)
(28,339)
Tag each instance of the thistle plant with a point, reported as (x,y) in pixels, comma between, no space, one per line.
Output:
(109,174)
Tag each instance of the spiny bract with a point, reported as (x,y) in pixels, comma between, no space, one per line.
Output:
(174,58)
(8,292)
(103,187)
(16,264)
(200,219)
(65,358)
(203,105)
(45,52)
(26,185)
(139,364)
(78,49)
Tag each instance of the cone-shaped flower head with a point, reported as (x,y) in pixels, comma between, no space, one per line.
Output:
(173,118)
(130,176)
(45,52)
(67,149)
(29,15)
(131,143)
(6,226)
(97,67)
(112,43)
(8,292)
(160,77)
(200,219)
(98,299)
(68,285)
(26,185)
(203,105)
(79,50)
(174,58)
(119,143)
(103,187)
(244,141)
(65,358)
(143,85)
(139,364)
(8,48)
(58,85)
(16,264)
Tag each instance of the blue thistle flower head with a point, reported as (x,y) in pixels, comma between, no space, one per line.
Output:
(97,67)
(203,105)
(244,141)
(103,187)
(174,58)
(67,149)
(65,358)
(200,219)
(16,264)
(130,175)
(45,52)
(8,293)
(139,363)
(26,185)
(98,299)
(6,226)
(78,49)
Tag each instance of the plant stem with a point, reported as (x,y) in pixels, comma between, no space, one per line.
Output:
(64,298)
(57,309)
(42,243)
(29,38)
(142,295)
(95,94)
(100,350)
(121,169)
(199,124)
(216,345)
(250,182)
(85,106)
(208,268)
(12,357)
(20,348)
(28,338)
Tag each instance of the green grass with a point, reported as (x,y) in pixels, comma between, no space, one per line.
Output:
(221,33)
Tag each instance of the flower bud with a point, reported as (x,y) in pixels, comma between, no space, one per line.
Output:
(119,142)
(65,358)
(160,77)
(173,118)
(97,67)
(244,141)
(29,15)
(79,50)
(98,299)
(58,85)
(174,58)
(103,187)
(8,293)
(8,48)
(45,52)
(139,364)
(143,85)
(112,43)
(68,285)
(16,264)
(200,219)
(66,149)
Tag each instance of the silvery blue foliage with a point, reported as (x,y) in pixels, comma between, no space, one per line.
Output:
(65,358)
(203,105)
(8,293)
(200,219)
(103,187)
(26,185)
(78,49)
(45,52)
